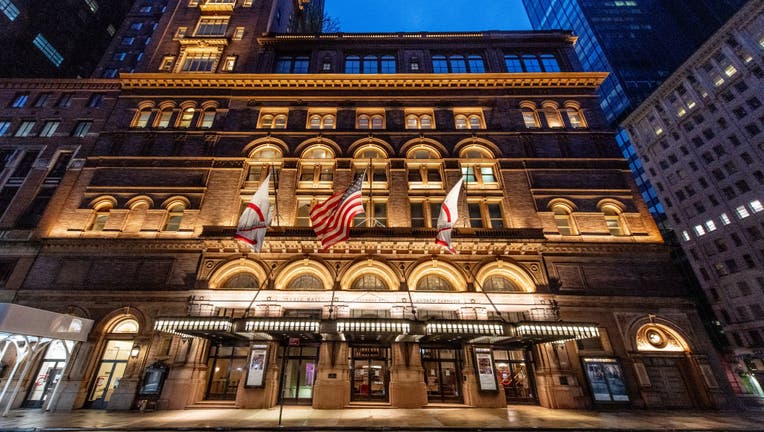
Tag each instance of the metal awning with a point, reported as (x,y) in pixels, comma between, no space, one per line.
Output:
(378,330)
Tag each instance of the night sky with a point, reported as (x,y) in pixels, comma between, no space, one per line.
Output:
(427,15)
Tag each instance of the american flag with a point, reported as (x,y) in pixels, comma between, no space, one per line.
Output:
(332,218)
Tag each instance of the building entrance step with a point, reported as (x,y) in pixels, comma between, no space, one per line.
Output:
(213,404)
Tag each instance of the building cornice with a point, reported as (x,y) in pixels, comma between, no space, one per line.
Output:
(60,84)
(409,82)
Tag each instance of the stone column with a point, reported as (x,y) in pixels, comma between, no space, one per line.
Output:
(332,386)
(473,396)
(407,387)
(556,381)
(187,379)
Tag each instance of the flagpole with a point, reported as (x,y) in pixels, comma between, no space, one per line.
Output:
(259,288)
(276,194)
(371,195)
(479,285)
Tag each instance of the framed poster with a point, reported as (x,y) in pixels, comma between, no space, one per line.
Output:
(258,361)
(483,359)
(605,378)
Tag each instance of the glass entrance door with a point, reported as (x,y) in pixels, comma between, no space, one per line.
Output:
(515,370)
(369,374)
(299,375)
(225,368)
(442,368)
(109,372)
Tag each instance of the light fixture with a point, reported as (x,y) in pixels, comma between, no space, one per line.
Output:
(135,351)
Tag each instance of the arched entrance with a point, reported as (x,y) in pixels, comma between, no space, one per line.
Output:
(117,347)
(662,368)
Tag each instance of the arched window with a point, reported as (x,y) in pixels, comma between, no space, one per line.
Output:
(478,167)
(317,167)
(163,119)
(575,115)
(434,283)
(377,121)
(424,168)
(208,118)
(530,117)
(127,325)
(174,216)
(142,118)
(364,122)
(369,282)
(306,282)
(241,280)
(552,115)
(273,121)
(475,122)
(101,215)
(460,121)
(614,220)
(500,284)
(419,121)
(321,121)
(425,122)
(563,218)
(262,160)
(186,117)
(373,160)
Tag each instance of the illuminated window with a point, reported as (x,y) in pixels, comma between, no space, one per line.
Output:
(200,61)
(613,221)
(9,9)
(434,283)
(478,167)
(321,121)
(530,117)
(211,26)
(25,129)
(500,284)
(370,121)
(20,100)
(306,282)
(229,64)
(417,120)
(208,118)
(552,115)
(468,120)
(48,50)
(174,217)
(238,33)
(425,213)
(186,117)
(263,160)
(241,281)
(49,128)
(142,117)
(369,282)
(485,214)
(575,115)
(424,169)
(163,119)
(272,120)
(317,168)
(563,218)
(100,217)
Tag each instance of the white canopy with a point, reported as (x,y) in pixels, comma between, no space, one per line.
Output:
(26,321)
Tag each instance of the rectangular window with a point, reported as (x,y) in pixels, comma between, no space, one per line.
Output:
(229,64)
(5,126)
(92,5)
(167,62)
(65,101)
(82,128)
(20,100)
(25,129)
(476,217)
(208,118)
(42,100)
(238,34)
(95,100)
(199,62)
(49,128)
(211,27)
(9,9)
(529,118)
(48,50)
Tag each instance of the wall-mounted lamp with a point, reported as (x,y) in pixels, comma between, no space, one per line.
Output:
(135,351)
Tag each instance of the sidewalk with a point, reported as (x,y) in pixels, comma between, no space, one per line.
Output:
(439,418)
